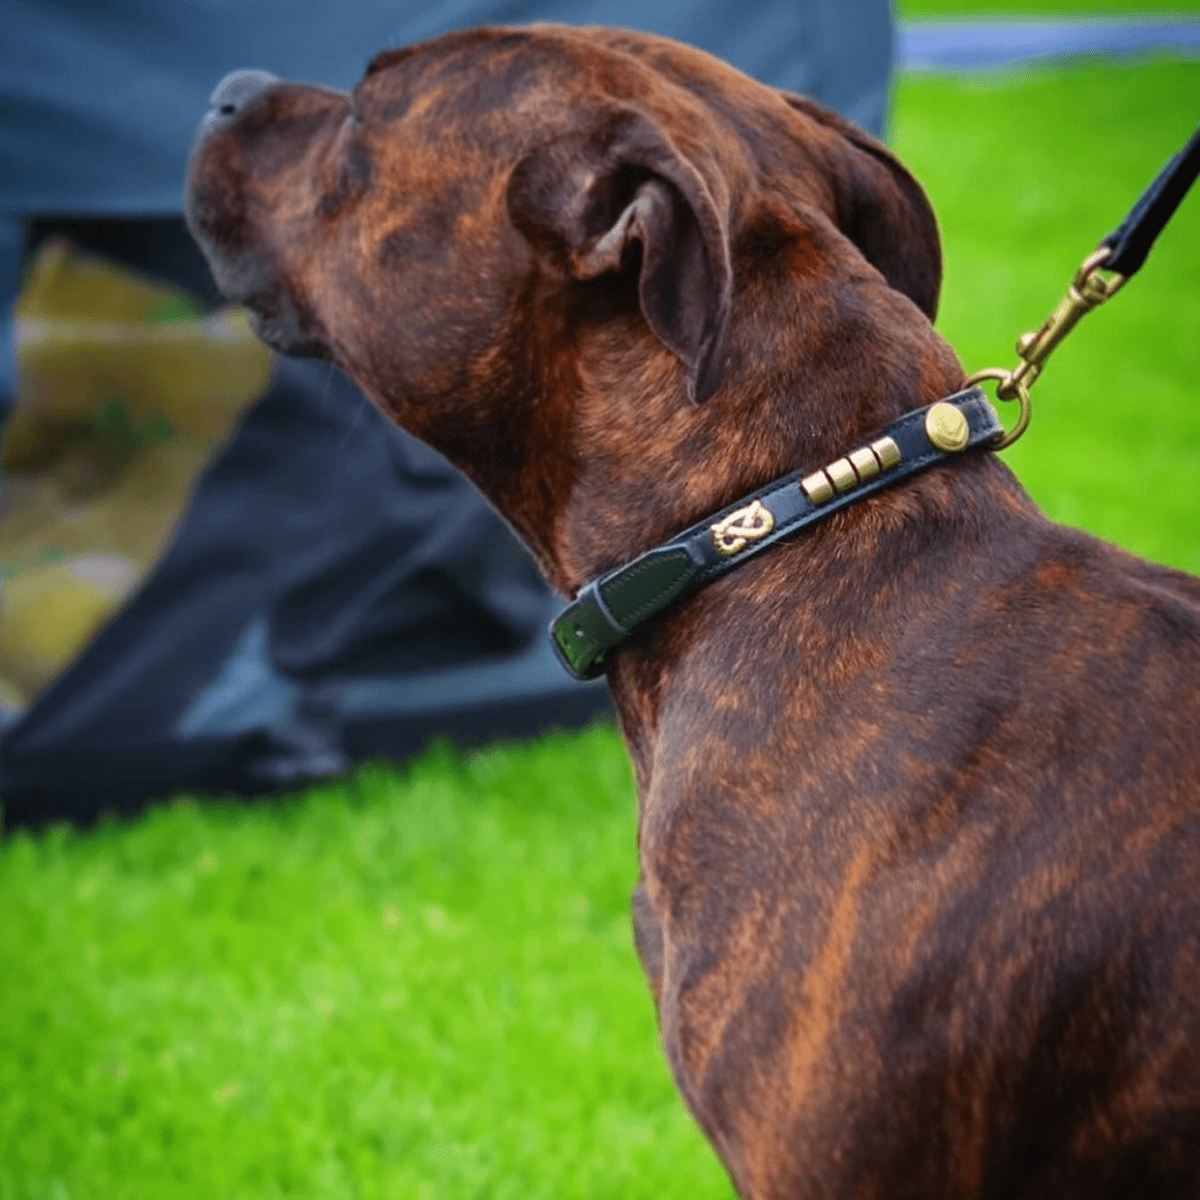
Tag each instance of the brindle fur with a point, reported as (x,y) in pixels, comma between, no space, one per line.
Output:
(919,821)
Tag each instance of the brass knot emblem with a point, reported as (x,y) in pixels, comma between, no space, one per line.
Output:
(736,531)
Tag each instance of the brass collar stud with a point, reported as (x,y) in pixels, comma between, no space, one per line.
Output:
(947,428)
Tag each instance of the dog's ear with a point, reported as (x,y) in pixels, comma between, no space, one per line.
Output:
(598,202)
(882,209)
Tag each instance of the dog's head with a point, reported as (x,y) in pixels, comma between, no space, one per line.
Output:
(550,251)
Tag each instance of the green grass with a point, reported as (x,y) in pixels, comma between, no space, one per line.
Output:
(413,985)
(421,984)
(1027,174)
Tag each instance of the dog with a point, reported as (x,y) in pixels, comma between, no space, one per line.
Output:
(919,788)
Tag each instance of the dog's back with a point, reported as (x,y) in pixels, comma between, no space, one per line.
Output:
(921,890)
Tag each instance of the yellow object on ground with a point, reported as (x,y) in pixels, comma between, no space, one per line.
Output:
(125,392)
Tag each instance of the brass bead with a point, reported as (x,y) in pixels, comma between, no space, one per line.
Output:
(887,452)
(865,464)
(842,474)
(817,487)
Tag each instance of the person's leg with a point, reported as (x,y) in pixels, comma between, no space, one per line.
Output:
(12,239)
(856,47)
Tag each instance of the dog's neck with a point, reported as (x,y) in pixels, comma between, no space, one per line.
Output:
(616,459)
(655,463)
(824,608)
(659,463)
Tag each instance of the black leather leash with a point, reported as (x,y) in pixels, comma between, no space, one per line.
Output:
(611,607)
(1130,242)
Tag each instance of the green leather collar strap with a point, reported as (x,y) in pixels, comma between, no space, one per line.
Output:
(611,607)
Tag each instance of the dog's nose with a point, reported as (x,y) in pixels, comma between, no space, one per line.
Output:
(235,93)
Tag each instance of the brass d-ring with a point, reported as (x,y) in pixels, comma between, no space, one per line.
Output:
(1007,380)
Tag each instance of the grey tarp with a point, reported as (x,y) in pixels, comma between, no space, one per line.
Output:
(334,590)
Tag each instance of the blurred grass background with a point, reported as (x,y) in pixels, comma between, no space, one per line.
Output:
(421,983)
(1027,173)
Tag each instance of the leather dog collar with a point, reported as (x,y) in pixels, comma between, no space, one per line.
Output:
(610,607)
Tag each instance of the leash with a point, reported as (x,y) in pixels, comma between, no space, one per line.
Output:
(610,607)
(1100,277)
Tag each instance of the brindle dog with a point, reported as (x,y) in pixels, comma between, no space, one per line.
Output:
(919,811)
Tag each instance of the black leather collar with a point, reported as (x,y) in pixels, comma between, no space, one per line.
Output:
(612,606)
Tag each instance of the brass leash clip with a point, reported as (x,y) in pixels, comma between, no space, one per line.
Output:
(1088,291)
(1094,283)
(1090,288)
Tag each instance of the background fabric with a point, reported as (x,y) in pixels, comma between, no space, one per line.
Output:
(99,98)
(331,589)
